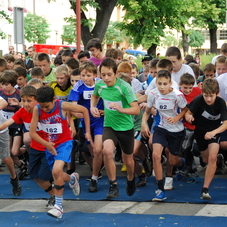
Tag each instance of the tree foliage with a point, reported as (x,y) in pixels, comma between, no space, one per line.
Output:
(196,38)
(36,28)
(5,16)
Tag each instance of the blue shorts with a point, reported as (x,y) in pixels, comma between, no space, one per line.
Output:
(171,140)
(94,131)
(223,136)
(63,154)
(38,166)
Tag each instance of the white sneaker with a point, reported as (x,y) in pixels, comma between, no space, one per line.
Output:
(168,183)
(76,186)
(55,212)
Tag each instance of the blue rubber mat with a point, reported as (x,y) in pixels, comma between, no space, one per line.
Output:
(75,218)
(182,193)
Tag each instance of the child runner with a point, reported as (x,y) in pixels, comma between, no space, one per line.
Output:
(207,112)
(50,117)
(120,103)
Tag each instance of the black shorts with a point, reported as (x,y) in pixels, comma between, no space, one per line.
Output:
(203,143)
(125,138)
(171,140)
(15,132)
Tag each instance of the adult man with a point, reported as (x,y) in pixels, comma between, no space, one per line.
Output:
(29,61)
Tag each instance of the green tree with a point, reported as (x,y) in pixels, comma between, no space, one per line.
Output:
(169,40)
(69,30)
(5,16)
(196,39)
(36,28)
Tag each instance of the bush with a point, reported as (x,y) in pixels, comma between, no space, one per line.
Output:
(205,59)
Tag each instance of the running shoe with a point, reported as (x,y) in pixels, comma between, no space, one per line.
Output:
(93,186)
(160,196)
(180,172)
(55,212)
(50,203)
(76,186)
(131,187)
(113,192)
(16,186)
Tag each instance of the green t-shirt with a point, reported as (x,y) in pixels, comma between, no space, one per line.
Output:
(137,119)
(120,93)
(50,77)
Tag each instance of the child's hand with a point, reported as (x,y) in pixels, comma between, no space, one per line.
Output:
(73,131)
(209,135)
(189,118)
(95,112)
(145,132)
(89,138)
(171,120)
(13,102)
(50,148)
(101,112)
(143,105)
(115,106)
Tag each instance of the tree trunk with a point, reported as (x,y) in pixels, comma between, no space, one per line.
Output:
(185,44)
(103,15)
(213,40)
(152,50)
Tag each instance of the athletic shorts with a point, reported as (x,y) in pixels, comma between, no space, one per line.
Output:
(125,138)
(15,132)
(171,140)
(188,139)
(4,145)
(223,136)
(94,131)
(201,142)
(63,153)
(38,165)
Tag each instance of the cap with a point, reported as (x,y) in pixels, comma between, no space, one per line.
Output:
(147,57)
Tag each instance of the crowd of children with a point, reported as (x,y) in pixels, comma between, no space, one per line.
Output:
(161,115)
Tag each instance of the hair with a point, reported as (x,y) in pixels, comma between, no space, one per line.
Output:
(209,67)
(95,42)
(62,69)
(173,51)
(45,94)
(165,64)
(134,66)
(31,47)
(20,62)
(43,57)
(9,77)
(120,53)
(72,63)
(3,62)
(21,71)
(112,53)
(220,59)
(146,68)
(195,69)
(187,79)
(188,58)
(58,60)
(83,54)
(68,53)
(34,81)
(28,91)
(35,56)
(75,72)
(36,71)
(153,63)
(224,48)
(88,66)
(124,67)
(109,63)
(125,77)
(210,86)
(9,57)
(164,73)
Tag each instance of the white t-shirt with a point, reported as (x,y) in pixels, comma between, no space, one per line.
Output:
(2,119)
(214,59)
(136,85)
(222,80)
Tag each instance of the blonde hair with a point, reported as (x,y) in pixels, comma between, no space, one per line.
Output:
(62,69)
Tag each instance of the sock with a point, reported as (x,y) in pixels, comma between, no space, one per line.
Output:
(58,201)
(205,190)
(72,180)
(160,185)
(15,179)
(94,177)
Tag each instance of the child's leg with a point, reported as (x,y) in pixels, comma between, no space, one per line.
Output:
(10,166)
(27,140)
(156,156)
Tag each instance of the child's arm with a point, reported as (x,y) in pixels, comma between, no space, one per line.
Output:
(173,120)
(144,127)
(71,124)
(66,106)
(133,110)
(220,129)
(189,117)
(36,137)
(142,98)
(94,110)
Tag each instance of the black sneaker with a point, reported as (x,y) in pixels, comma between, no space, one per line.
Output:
(16,187)
(93,186)
(147,166)
(131,187)
(23,173)
(142,182)
(50,203)
(113,192)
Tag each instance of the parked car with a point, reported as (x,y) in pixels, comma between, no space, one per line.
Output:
(135,52)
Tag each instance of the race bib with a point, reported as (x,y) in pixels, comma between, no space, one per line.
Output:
(164,104)
(107,104)
(27,126)
(87,94)
(51,128)
(7,115)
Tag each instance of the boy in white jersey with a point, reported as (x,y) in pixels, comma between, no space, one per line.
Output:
(119,104)
(169,130)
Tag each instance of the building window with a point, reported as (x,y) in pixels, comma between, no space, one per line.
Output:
(223,34)
(206,34)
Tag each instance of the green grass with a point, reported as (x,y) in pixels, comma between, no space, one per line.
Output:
(205,59)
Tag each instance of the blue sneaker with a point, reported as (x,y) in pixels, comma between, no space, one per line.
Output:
(180,172)
(160,196)
(193,178)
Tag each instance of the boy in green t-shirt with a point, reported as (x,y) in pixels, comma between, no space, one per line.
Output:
(119,104)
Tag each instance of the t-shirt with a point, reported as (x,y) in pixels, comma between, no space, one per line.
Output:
(222,80)
(24,117)
(136,85)
(196,91)
(137,120)
(81,93)
(59,93)
(208,117)
(50,77)
(121,93)
(167,106)
(2,119)
(96,61)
